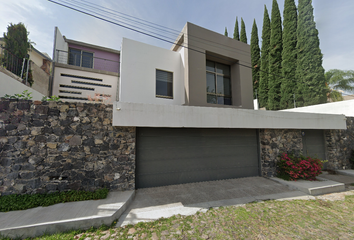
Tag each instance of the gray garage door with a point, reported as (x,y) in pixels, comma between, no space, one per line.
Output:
(314,143)
(167,156)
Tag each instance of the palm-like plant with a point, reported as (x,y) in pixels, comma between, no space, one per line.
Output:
(337,82)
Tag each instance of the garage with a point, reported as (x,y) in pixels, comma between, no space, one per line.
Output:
(167,156)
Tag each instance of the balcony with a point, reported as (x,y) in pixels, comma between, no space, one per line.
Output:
(86,61)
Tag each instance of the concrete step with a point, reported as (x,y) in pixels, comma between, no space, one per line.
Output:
(64,216)
(322,186)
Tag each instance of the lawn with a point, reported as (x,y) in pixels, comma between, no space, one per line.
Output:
(295,219)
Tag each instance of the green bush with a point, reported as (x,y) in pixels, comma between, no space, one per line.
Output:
(292,168)
(22,202)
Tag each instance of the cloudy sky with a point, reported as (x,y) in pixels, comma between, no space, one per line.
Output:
(334,21)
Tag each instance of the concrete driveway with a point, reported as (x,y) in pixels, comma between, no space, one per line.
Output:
(187,199)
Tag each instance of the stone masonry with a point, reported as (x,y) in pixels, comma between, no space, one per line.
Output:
(274,142)
(340,144)
(58,146)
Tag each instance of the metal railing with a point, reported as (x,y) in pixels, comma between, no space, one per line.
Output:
(86,60)
(13,63)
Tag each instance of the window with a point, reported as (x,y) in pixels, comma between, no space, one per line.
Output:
(80,58)
(218,83)
(164,84)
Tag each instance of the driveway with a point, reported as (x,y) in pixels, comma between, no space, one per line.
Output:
(187,199)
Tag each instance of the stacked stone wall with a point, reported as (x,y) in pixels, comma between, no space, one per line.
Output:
(274,142)
(55,146)
(340,144)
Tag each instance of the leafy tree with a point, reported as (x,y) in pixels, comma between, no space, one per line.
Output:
(243,32)
(17,44)
(236,31)
(311,83)
(226,34)
(275,59)
(255,57)
(263,80)
(289,55)
(16,40)
(338,80)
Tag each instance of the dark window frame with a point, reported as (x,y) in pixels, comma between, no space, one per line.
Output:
(215,73)
(168,96)
(82,53)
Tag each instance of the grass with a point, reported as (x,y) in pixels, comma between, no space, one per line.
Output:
(295,219)
(26,201)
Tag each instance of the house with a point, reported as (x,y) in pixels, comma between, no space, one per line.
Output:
(84,71)
(179,115)
(40,65)
(192,107)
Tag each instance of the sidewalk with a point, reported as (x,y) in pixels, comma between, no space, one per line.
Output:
(150,204)
(64,216)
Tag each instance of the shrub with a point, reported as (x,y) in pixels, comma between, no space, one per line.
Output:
(292,168)
(26,201)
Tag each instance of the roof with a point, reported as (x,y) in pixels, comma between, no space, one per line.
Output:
(91,46)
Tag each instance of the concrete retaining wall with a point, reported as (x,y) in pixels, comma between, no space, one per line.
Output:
(46,147)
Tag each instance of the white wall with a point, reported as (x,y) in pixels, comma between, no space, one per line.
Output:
(60,44)
(11,86)
(138,66)
(106,79)
(342,107)
(150,115)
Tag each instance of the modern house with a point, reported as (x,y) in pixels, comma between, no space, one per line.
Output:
(83,71)
(192,107)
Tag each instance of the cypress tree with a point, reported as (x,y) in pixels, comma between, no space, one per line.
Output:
(311,87)
(226,34)
(243,32)
(276,47)
(263,80)
(289,55)
(255,57)
(236,31)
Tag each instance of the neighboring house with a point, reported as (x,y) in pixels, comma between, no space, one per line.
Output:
(40,64)
(192,107)
(84,71)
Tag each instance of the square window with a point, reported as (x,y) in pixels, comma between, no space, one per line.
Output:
(80,58)
(164,84)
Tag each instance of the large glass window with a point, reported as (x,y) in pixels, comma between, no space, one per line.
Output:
(164,84)
(218,83)
(80,58)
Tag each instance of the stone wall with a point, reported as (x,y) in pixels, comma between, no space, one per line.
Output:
(340,144)
(46,147)
(274,142)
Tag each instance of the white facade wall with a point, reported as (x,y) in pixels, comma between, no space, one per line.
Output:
(82,93)
(342,107)
(138,66)
(150,115)
(11,86)
(60,44)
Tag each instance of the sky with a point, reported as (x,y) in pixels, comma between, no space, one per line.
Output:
(333,19)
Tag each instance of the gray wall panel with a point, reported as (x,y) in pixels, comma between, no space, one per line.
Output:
(168,156)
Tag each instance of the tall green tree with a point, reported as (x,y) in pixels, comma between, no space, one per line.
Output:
(236,31)
(226,34)
(16,40)
(289,55)
(311,83)
(255,57)
(243,37)
(275,59)
(264,76)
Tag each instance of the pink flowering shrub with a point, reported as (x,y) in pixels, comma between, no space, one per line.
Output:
(293,168)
